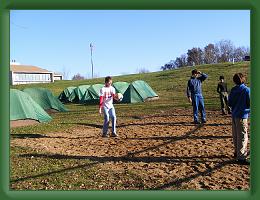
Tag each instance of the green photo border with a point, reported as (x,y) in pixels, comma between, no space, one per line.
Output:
(7,5)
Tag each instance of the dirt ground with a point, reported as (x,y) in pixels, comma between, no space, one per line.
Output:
(167,151)
(23,122)
(27,122)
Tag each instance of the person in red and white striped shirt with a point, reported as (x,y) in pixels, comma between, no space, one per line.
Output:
(107,94)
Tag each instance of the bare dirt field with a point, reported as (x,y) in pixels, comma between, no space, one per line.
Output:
(28,122)
(165,151)
(23,122)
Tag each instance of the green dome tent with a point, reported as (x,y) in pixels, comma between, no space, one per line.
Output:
(78,93)
(22,106)
(92,94)
(65,94)
(121,87)
(139,91)
(45,99)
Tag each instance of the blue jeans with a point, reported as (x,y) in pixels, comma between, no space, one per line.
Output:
(198,105)
(109,113)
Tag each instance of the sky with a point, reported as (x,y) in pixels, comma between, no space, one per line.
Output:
(125,41)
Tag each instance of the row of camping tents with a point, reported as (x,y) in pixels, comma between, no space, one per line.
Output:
(137,91)
(33,103)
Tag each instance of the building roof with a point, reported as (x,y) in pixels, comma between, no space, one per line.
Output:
(27,68)
(57,74)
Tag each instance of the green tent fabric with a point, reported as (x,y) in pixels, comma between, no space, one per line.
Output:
(78,93)
(121,87)
(139,91)
(65,94)
(92,94)
(87,97)
(22,106)
(45,99)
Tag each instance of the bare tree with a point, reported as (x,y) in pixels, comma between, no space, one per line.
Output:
(225,51)
(239,54)
(195,55)
(169,65)
(210,54)
(142,70)
(65,73)
(78,77)
(181,61)
(222,51)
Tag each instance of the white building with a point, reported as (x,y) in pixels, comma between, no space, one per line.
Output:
(27,74)
(57,77)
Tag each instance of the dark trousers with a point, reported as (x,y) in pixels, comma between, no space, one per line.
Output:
(224,101)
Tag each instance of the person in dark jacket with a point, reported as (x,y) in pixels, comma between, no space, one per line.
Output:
(239,101)
(194,94)
(223,95)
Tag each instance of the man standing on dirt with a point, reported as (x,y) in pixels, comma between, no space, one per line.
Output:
(223,95)
(194,94)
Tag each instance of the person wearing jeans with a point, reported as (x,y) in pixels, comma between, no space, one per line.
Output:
(109,112)
(198,105)
(194,94)
(107,94)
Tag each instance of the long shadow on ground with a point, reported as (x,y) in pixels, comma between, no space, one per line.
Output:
(97,160)
(178,183)
(177,137)
(150,124)
(36,135)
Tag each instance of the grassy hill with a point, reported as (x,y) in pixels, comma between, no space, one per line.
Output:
(169,85)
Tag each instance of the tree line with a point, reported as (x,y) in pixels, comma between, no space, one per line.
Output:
(222,51)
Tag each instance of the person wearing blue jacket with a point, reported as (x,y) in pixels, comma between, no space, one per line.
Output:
(194,94)
(239,101)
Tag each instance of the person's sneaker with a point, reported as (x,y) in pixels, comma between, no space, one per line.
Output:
(243,162)
(247,155)
(196,122)
(114,135)
(105,135)
(204,121)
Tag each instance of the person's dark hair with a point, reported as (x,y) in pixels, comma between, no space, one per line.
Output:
(193,72)
(239,78)
(107,79)
(221,77)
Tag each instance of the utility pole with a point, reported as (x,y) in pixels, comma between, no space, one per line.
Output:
(91,52)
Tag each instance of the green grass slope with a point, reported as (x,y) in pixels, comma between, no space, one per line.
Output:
(169,85)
